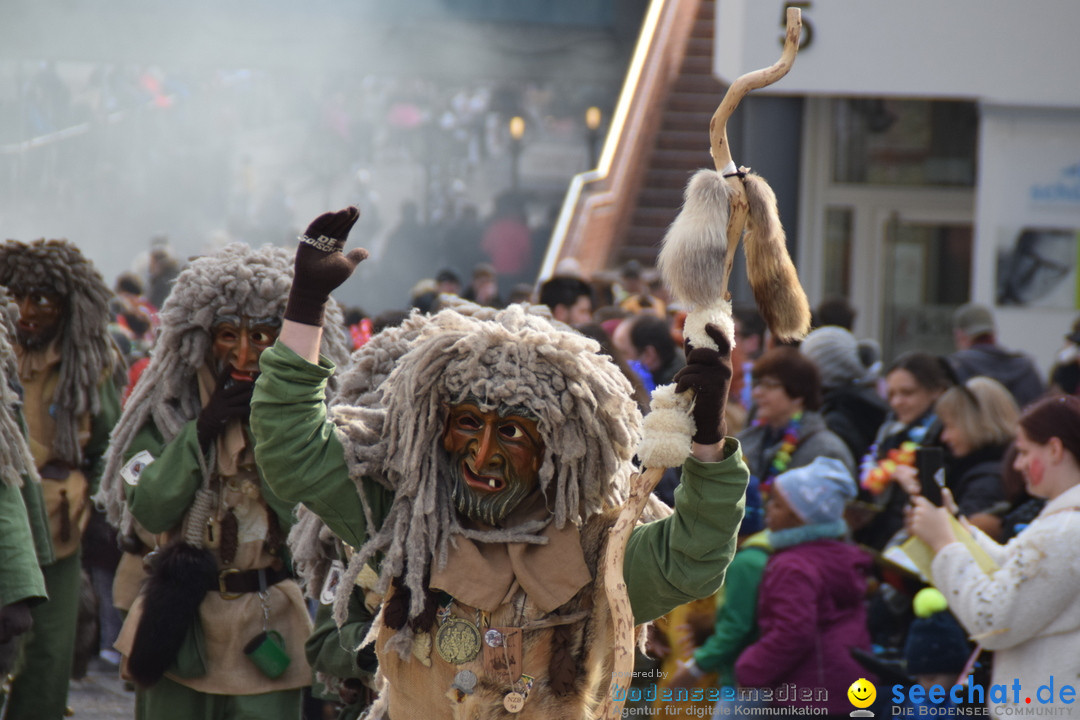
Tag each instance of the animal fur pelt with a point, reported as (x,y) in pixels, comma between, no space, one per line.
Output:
(694,250)
(693,257)
(779,296)
(181,576)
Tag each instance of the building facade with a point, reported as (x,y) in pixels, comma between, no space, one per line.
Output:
(937,160)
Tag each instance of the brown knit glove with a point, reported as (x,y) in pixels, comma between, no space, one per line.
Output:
(320,265)
(708,374)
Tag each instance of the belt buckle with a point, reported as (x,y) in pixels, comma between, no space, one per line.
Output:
(225,594)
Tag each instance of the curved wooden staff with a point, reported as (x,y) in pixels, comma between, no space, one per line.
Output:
(642,484)
(719,147)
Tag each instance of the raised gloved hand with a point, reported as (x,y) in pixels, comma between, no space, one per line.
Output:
(708,374)
(15,619)
(231,400)
(321,266)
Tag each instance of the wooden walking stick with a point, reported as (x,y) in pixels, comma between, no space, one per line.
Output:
(695,261)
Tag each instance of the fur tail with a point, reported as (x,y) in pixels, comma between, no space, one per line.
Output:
(171,602)
(694,250)
(779,296)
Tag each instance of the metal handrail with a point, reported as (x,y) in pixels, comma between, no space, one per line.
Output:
(645,79)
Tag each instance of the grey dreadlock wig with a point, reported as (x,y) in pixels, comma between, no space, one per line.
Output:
(358,405)
(85,344)
(15,457)
(236,280)
(586,416)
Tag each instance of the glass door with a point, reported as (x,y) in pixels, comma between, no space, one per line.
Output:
(927,274)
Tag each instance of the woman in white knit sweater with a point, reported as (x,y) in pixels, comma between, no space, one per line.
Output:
(1028,610)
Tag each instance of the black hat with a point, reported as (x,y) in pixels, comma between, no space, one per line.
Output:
(936,644)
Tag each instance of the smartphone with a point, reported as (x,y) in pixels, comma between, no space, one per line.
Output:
(929,462)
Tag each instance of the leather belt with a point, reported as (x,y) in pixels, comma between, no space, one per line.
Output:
(233,583)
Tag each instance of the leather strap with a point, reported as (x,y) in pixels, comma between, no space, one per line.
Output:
(236,582)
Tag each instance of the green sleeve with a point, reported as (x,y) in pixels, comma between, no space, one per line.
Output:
(683,557)
(296,448)
(332,650)
(166,487)
(101,427)
(20,574)
(736,618)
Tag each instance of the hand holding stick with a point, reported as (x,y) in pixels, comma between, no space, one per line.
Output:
(696,262)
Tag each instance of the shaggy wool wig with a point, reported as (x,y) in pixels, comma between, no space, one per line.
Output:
(586,415)
(89,353)
(357,406)
(236,280)
(15,457)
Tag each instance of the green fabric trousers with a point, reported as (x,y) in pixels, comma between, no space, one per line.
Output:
(40,691)
(168,700)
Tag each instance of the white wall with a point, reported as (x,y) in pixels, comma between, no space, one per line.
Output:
(1029,176)
(1019,52)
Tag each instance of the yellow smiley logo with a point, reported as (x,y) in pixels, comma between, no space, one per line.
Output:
(862,693)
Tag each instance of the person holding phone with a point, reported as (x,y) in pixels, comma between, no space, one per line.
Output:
(979,420)
(914,383)
(1026,611)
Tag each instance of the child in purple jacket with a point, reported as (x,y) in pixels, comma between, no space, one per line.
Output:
(811,608)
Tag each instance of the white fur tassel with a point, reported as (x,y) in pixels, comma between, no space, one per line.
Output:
(694,250)
(717,313)
(667,429)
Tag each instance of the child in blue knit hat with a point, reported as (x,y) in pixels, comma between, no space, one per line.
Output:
(810,609)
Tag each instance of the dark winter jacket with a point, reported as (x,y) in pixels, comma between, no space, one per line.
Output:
(760,444)
(854,413)
(975,480)
(811,612)
(1014,370)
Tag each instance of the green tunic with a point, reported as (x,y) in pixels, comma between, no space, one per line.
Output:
(159,498)
(333,651)
(167,486)
(668,562)
(41,689)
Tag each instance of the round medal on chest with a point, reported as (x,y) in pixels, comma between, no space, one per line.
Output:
(457,641)
(513,702)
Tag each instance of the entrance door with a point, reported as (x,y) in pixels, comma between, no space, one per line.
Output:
(927,274)
(889,230)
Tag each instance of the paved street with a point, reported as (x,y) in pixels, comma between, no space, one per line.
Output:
(101,695)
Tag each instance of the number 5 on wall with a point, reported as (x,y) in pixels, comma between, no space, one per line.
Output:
(807,26)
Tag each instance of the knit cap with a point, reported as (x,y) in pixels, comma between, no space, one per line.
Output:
(935,643)
(835,351)
(819,491)
(974,319)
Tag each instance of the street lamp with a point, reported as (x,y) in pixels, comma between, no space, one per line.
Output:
(592,122)
(517,130)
